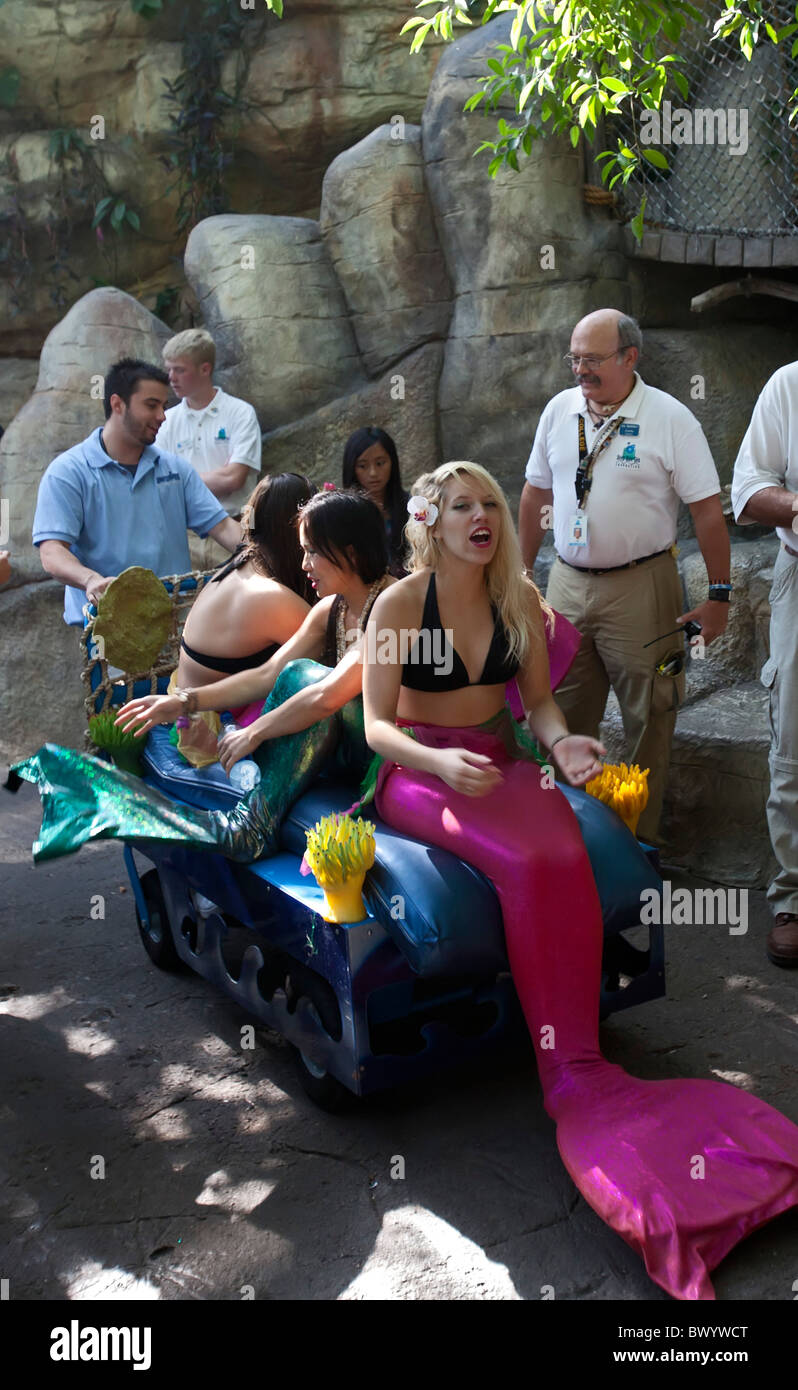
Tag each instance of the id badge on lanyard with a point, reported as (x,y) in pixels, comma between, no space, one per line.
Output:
(577,525)
(577,528)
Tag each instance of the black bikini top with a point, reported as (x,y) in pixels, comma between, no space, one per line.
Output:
(231,665)
(434,666)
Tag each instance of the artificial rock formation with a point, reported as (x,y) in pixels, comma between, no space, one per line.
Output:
(17,380)
(717,371)
(268,294)
(401,402)
(316,81)
(377,223)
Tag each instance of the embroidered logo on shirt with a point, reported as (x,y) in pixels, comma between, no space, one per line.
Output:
(628,458)
(169,478)
(221,434)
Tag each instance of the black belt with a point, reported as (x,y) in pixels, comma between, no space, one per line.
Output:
(612,569)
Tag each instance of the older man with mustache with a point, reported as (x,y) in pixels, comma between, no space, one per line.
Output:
(611,460)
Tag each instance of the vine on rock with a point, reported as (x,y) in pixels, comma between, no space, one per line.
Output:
(205,115)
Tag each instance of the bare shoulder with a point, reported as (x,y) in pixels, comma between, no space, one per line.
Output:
(318,617)
(271,592)
(401,601)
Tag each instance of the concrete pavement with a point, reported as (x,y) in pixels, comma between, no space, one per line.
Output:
(223,1181)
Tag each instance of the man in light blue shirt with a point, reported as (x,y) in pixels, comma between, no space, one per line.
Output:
(115,500)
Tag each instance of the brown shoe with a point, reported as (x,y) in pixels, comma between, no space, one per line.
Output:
(782,947)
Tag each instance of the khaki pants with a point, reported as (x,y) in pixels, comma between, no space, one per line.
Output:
(780,676)
(616,614)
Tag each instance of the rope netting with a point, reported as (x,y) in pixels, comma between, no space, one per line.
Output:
(106,685)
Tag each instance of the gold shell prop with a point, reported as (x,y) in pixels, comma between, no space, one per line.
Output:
(134,618)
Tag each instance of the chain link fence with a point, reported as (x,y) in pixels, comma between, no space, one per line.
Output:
(732,153)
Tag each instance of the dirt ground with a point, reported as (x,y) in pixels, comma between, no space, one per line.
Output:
(148,1156)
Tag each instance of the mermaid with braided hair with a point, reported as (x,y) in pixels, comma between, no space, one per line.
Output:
(457,773)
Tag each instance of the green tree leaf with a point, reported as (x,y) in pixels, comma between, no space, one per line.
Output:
(636,223)
(657,158)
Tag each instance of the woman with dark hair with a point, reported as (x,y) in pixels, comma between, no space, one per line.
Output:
(371,463)
(259,598)
(313,713)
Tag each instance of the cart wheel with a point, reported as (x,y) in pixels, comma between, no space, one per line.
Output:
(157,937)
(324,1090)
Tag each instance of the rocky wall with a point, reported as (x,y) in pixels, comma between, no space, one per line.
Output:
(316,82)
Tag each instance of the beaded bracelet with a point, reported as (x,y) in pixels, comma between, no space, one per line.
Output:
(188,697)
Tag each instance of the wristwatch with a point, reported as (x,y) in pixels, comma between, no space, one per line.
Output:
(720,593)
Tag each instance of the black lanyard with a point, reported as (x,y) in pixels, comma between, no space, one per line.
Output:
(587,459)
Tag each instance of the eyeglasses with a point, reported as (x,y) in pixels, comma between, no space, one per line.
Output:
(591,362)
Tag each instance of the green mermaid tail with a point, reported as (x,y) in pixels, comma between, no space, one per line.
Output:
(86,799)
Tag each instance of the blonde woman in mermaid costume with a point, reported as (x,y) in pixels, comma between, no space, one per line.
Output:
(462,782)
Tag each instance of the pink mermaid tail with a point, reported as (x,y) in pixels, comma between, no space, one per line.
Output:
(682,1170)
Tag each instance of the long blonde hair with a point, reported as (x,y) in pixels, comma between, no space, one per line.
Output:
(507,585)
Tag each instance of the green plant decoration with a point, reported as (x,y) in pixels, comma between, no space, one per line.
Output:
(125,749)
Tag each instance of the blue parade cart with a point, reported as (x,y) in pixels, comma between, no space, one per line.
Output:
(421,982)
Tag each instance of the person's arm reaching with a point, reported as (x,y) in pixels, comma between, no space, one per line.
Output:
(228,533)
(772,506)
(57,559)
(537,496)
(227,479)
(242,689)
(713,539)
(305,708)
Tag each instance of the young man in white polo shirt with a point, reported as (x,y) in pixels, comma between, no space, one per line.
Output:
(216,433)
(612,457)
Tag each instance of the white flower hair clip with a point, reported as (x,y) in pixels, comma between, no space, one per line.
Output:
(422,510)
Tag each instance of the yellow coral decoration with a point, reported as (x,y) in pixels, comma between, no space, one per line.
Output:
(623,788)
(340,850)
